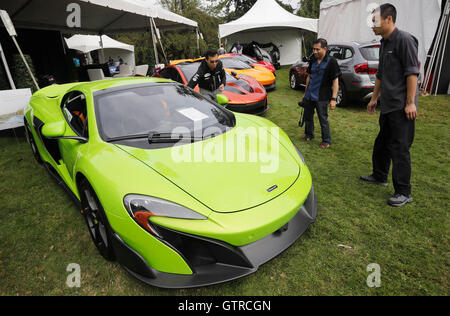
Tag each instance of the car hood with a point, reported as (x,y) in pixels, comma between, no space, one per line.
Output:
(263,75)
(230,185)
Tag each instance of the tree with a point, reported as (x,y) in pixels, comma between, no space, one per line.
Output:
(309,9)
(182,44)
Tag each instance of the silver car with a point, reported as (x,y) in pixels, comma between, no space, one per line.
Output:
(358,63)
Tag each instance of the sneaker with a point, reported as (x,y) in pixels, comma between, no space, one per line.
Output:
(324,145)
(307,139)
(371,179)
(398,200)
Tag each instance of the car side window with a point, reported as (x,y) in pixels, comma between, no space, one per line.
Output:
(336,52)
(75,111)
(348,53)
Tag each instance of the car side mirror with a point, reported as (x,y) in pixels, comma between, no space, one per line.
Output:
(54,129)
(222,99)
(234,74)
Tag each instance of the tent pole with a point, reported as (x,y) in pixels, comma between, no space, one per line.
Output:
(434,54)
(443,48)
(155,49)
(160,44)
(8,73)
(198,43)
(25,62)
(102,52)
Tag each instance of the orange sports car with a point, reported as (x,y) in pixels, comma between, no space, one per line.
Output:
(245,94)
(260,73)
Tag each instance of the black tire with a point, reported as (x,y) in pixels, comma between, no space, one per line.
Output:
(32,142)
(96,221)
(342,98)
(293,81)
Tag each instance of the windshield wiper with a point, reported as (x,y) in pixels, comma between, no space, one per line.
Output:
(156,137)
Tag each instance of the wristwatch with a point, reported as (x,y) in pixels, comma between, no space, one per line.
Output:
(333,99)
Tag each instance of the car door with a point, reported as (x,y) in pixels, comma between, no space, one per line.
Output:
(74,109)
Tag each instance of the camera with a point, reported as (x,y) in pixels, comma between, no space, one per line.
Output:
(308,59)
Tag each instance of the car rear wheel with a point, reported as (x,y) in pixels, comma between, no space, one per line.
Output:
(32,142)
(341,95)
(294,81)
(96,221)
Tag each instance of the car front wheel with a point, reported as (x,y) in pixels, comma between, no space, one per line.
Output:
(96,221)
(294,81)
(32,142)
(341,95)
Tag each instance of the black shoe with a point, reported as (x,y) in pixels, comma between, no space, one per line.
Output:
(398,200)
(373,180)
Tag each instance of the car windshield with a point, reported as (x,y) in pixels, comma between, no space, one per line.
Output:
(158,108)
(234,63)
(245,59)
(371,53)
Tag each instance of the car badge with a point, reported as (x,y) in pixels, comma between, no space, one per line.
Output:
(272,188)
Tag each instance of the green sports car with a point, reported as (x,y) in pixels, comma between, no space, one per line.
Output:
(177,189)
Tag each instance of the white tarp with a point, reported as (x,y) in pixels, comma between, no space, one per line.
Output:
(268,22)
(111,47)
(88,43)
(347,21)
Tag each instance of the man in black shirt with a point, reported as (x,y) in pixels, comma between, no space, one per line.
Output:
(210,76)
(396,81)
(322,86)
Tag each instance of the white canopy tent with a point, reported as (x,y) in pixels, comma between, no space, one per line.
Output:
(268,22)
(349,20)
(111,47)
(93,17)
(97,16)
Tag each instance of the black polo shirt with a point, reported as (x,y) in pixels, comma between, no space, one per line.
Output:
(398,60)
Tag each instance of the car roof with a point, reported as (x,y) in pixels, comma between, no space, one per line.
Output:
(92,86)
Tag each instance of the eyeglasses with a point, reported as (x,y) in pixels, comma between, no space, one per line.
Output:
(213,61)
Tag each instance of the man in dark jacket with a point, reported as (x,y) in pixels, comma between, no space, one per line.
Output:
(322,87)
(210,76)
(396,89)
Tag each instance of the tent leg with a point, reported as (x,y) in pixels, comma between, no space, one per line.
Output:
(154,41)
(160,42)
(446,22)
(25,62)
(101,56)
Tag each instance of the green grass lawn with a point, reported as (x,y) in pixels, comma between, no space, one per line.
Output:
(42,231)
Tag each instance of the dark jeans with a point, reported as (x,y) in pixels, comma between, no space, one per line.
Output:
(322,113)
(393,143)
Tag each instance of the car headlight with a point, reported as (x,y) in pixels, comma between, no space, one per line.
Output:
(142,207)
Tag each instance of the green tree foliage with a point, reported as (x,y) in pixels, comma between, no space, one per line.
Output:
(309,9)
(143,47)
(178,44)
(20,73)
(183,44)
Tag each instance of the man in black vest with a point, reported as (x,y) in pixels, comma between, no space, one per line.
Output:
(396,82)
(210,76)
